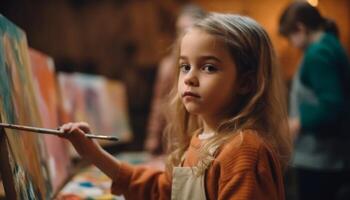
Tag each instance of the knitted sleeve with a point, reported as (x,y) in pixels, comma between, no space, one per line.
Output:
(141,183)
(251,172)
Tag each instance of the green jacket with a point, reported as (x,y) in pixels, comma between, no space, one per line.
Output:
(320,97)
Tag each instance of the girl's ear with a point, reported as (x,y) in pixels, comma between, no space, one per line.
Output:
(246,83)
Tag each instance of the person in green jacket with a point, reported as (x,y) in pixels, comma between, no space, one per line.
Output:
(319,104)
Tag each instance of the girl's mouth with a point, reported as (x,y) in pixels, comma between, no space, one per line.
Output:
(190,94)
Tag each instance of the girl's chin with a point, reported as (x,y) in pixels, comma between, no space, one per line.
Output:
(193,110)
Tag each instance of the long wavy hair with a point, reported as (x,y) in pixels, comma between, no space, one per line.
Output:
(262,109)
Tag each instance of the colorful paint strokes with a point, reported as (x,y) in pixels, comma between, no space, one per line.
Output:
(90,183)
(27,152)
(45,88)
(98,101)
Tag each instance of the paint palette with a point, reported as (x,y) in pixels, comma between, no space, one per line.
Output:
(90,183)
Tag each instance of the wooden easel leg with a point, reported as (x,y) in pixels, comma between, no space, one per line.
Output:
(5,168)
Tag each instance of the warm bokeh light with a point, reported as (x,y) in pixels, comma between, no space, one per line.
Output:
(313,2)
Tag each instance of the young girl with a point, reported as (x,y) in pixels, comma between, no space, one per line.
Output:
(320,109)
(228,129)
(188,15)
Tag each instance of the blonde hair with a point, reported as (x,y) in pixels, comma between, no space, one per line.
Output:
(262,109)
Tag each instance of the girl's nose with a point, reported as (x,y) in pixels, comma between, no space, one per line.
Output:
(191,79)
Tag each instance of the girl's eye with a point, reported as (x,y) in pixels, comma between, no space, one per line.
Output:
(209,68)
(185,67)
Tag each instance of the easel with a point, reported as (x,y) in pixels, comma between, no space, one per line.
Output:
(5,168)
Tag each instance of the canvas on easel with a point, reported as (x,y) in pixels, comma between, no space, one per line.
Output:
(98,101)
(118,115)
(45,88)
(26,151)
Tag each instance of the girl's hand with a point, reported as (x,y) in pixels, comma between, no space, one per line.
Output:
(90,150)
(75,133)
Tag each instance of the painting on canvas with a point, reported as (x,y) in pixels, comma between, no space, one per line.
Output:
(26,151)
(45,88)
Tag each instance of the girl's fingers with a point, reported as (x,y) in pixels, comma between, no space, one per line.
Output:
(66,127)
(84,127)
(74,130)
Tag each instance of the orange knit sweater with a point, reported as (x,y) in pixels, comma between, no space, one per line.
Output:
(245,168)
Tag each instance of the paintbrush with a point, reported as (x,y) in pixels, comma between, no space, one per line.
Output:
(53,131)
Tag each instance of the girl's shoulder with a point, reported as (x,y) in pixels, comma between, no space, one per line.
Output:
(247,150)
(250,139)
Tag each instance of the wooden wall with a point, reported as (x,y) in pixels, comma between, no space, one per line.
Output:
(106,36)
(120,39)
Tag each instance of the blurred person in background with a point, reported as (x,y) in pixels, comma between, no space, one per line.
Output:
(319,104)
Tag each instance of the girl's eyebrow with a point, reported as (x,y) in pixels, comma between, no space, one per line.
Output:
(203,58)
(182,58)
(211,58)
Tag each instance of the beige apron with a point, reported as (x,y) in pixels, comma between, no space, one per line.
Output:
(186,185)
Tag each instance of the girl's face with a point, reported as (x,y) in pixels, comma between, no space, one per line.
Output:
(207,79)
